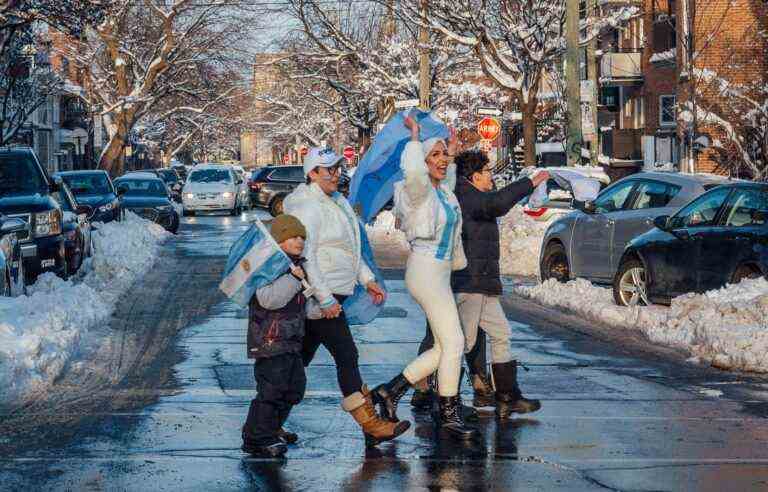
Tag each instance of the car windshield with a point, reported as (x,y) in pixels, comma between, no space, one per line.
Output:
(88,184)
(169,176)
(19,174)
(211,176)
(142,187)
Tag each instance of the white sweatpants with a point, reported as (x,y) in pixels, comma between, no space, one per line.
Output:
(429,282)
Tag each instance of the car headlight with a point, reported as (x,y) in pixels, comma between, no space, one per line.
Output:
(189,195)
(48,223)
(164,208)
(227,194)
(106,207)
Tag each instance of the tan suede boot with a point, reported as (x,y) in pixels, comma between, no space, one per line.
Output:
(375,429)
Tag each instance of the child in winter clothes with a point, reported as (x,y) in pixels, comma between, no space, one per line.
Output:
(276,319)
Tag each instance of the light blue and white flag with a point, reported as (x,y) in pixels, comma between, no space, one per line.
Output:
(359,307)
(372,185)
(255,260)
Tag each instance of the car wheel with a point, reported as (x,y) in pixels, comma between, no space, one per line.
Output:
(233,212)
(630,284)
(188,213)
(744,272)
(555,263)
(276,207)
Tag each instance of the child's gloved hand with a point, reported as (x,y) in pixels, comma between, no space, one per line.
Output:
(298,272)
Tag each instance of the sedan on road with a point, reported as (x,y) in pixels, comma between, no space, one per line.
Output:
(589,242)
(173,181)
(719,238)
(211,188)
(76,225)
(95,189)
(270,185)
(147,196)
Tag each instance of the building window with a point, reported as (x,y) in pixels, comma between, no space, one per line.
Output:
(667,110)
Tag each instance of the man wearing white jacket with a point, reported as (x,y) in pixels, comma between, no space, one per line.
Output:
(334,267)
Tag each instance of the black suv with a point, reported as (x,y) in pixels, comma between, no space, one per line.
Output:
(269,186)
(27,192)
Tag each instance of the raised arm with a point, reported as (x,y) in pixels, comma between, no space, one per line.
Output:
(413,166)
(499,203)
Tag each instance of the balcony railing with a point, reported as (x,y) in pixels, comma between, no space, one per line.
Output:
(621,67)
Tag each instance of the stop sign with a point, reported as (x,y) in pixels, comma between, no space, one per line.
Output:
(304,151)
(349,153)
(488,128)
(286,159)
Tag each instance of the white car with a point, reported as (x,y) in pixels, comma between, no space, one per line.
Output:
(212,187)
(245,193)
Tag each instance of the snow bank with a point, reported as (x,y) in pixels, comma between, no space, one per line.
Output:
(727,328)
(521,243)
(41,331)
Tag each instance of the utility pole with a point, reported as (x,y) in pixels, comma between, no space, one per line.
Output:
(424,72)
(572,82)
(594,91)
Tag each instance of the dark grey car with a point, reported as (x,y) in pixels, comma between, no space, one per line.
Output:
(270,185)
(588,243)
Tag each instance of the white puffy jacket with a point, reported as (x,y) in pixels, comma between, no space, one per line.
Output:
(417,206)
(332,248)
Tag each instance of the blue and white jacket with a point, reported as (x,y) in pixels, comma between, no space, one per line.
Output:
(430,216)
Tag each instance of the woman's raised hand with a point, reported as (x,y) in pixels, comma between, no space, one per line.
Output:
(412,125)
(453,142)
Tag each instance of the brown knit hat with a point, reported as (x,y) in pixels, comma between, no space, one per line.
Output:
(287,226)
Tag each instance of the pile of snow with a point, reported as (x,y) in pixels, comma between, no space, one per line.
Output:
(520,240)
(664,56)
(384,233)
(39,332)
(727,328)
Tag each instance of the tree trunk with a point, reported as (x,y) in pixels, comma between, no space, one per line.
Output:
(529,134)
(113,158)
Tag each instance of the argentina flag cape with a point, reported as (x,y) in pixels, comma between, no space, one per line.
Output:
(254,261)
(372,185)
(359,307)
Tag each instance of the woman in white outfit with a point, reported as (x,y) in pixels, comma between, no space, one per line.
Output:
(431,218)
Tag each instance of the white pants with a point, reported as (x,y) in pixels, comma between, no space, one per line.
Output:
(480,310)
(429,282)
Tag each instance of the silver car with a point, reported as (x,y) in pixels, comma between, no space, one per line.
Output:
(588,242)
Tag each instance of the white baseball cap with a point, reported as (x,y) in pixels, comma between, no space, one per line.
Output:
(320,157)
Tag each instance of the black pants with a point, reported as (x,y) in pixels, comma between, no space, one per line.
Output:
(476,358)
(280,382)
(334,335)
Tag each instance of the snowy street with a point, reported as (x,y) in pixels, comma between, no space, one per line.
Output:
(159,402)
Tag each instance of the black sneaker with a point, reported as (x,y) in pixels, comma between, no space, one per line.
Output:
(274,449)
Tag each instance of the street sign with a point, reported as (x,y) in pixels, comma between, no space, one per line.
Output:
(408,103)
(349,153)
(488,128)
(488,112)
(304,151)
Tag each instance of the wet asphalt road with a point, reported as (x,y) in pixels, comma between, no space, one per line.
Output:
(617,414)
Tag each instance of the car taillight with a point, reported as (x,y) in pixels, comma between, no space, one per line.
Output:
(535,212)
(256,185)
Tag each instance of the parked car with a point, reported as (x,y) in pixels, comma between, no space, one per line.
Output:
(95,189)
(589,242)
(147,196)
(76,228)
(211,187)
(26,192)
(11,266)
(270,185)
(245,195)
(181,170)
(718,238)
(559,201)
(173,181)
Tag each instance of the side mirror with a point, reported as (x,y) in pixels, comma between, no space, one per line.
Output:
(56,183)
(121,190)
(662,222)
(84,209)
(12,225)
(587,207)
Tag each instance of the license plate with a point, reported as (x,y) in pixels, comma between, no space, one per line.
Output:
(47,263)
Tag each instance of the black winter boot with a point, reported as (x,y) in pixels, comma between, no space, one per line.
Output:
(271,449)
(287,436)
(450,420)
(483,392)
(386,396)
(509,399)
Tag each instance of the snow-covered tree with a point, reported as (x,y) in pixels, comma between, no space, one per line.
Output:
(145,53)
(515,42)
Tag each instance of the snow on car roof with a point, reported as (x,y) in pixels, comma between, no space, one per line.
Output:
(139,176)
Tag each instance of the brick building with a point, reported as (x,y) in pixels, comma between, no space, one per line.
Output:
(649,70)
